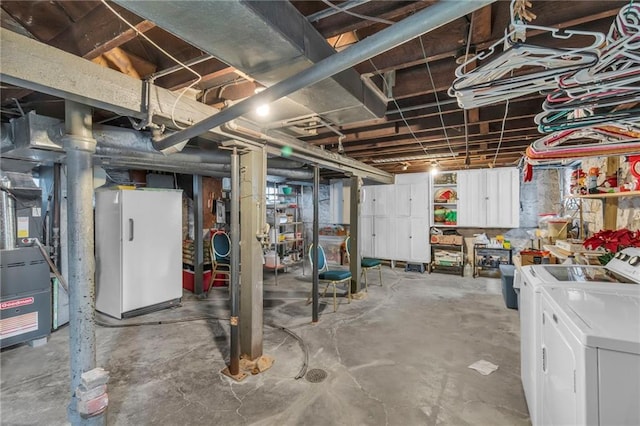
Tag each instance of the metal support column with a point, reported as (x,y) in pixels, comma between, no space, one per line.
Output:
(252,218)
(79,145)
(234,350)
(314,288)
(354,229)
(57,196)
(198,259)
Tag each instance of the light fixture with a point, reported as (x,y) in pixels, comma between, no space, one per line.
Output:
(263,109)
(404,166)
(434,168)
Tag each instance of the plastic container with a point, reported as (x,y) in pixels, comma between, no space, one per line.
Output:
(508,293)
(557,229)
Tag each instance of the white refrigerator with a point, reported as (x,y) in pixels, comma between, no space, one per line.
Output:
(138,251)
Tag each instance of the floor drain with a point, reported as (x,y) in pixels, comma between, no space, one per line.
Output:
(316,375)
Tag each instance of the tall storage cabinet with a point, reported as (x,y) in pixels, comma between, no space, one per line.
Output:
(395,219)
(411,221)
(376,232)
(489,198)
(138,250)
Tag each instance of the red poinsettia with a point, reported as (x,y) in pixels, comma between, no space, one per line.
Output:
(613,241)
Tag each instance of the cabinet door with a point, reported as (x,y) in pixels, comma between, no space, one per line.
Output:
(403,200)
(366,236)
(402,235)
(419,240)
(420,200)
(367,195)
(503,198)
(152,248)
(384,238)
(384,200)
(471,198)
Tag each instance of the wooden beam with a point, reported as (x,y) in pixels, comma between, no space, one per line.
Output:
(610,205)
(481,23)
(100,31)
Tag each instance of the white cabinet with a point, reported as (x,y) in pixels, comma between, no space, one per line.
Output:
(489,198)
(410,200)
(394,221)
(412,238)
(375,232)
(411,225)
(472,211)
(340,201)
(375,200)
(138,250)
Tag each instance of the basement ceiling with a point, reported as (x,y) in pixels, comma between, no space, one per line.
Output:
(403,126)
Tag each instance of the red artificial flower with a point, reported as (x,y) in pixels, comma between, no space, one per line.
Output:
(613,241)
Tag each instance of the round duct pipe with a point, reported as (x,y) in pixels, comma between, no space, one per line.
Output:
(123,142)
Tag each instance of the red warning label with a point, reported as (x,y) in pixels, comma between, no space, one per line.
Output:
(16,303)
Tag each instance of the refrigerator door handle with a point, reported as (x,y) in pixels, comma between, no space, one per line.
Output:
(130,229)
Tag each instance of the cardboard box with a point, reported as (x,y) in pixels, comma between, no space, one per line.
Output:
(534,257)
(447,239)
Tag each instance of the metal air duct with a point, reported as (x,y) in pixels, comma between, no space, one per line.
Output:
(269,42)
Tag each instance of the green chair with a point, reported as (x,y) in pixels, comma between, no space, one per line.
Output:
(331,278)
(365,264)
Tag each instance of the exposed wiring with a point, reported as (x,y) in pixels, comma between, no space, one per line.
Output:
(435,93)
(303,346)
(357,15)
(401,113)
(504,121)
(141,34)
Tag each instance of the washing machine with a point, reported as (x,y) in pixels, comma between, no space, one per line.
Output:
(590,353)
(621,275)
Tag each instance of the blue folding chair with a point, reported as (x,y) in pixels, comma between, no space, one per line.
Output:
(365,264)
(331,278)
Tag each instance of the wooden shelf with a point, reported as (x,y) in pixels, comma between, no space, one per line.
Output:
(609,195)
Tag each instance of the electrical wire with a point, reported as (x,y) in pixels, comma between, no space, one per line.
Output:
(435,93)
(504,121)
(357,15)
(141,34)
(400,112)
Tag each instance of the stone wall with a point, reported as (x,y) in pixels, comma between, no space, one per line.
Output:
(628,207)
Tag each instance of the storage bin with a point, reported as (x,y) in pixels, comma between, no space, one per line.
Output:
(188,278)
(508,293)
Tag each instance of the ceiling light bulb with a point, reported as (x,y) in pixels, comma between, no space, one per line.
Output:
(434,169)
(263,110)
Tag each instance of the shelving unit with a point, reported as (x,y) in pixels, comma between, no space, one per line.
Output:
(444,202)
(609,205)
(490,258)
(287,243)
(447,258)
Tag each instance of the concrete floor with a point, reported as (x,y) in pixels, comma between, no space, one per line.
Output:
(399,356)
